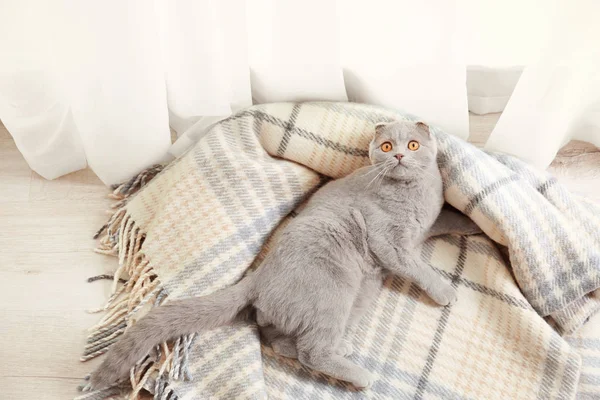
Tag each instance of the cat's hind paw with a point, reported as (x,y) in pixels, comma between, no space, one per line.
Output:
(445,295)
(285,347)
(365,381)
(345,348)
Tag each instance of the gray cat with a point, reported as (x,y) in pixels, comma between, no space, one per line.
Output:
(314,286)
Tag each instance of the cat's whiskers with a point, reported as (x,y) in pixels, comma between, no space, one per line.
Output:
(421,170)
(391,167)
(374,168)
(385,168)
(384,173)
(376,176)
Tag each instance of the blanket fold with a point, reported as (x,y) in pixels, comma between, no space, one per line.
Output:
(198,224)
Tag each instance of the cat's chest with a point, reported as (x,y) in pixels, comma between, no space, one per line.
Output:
(414,216)
(415,213)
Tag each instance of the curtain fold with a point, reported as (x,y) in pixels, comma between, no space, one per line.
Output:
(294,51)
(205,61)
(34,106)
(77,88)
(407,55)
(100,84)
(557,97)
(489,89)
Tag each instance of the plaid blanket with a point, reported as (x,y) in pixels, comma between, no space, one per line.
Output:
(203,220)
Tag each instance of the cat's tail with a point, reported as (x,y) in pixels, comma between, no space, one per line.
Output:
(176,318)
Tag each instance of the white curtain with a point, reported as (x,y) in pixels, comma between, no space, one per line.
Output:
(538,62)
(557,97)
(406,54)
(99,83)
(501,37)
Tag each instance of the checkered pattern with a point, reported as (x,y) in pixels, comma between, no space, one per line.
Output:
(553,237)
(216,211)
(587,343)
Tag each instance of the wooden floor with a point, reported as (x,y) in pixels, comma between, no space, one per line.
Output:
(46,256)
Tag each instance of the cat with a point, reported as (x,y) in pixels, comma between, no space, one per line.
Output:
(312,289)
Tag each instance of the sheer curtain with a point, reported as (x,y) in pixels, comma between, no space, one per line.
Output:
(100,83)
(501,37)
(97,83)
(557,97)
(538,62)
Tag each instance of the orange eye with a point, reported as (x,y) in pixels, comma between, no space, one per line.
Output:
(413,145)
(387,146)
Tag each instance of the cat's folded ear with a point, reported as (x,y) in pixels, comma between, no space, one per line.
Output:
(380,125)
(423,127)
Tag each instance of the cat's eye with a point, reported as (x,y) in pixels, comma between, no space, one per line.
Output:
(413,145)
(387,146)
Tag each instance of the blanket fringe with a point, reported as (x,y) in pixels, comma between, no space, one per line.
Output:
(155,373)
(123,192)
(171,361)
(133,185)
(134,286)
(125,239)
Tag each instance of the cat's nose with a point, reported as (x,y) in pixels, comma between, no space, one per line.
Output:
(399,156)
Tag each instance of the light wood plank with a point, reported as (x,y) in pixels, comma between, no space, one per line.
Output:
(47,227)
(55,282)
(45,343)
(480,127)
(38,388)
(82,185)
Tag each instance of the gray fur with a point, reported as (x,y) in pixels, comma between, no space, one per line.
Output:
(451,221)
(314,286)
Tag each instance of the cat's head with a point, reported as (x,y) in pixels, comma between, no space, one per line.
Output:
(405,147)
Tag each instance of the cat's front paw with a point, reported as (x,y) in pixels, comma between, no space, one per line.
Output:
(345,348)
(444,295)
